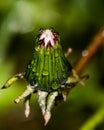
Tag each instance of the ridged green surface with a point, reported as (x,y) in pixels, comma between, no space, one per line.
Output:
(48,68)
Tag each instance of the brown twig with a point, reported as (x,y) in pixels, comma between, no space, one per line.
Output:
(89,52)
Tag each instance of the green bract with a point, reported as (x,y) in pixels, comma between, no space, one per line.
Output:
(48,69)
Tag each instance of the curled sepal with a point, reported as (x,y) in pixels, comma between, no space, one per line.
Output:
(27,105)
(42,100)
(26,93)
(74,79)
(46,101)
(12,79)
(50,103)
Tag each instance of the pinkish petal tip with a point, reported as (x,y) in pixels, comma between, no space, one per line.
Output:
(47,117)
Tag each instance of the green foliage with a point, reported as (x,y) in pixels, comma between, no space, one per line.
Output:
(77,22)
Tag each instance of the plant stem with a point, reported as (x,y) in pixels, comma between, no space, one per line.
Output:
(89,52)
(96,119)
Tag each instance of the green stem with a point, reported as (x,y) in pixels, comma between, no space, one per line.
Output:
(95,120)
(91,50)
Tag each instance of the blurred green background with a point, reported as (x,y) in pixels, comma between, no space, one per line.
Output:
(77,22)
